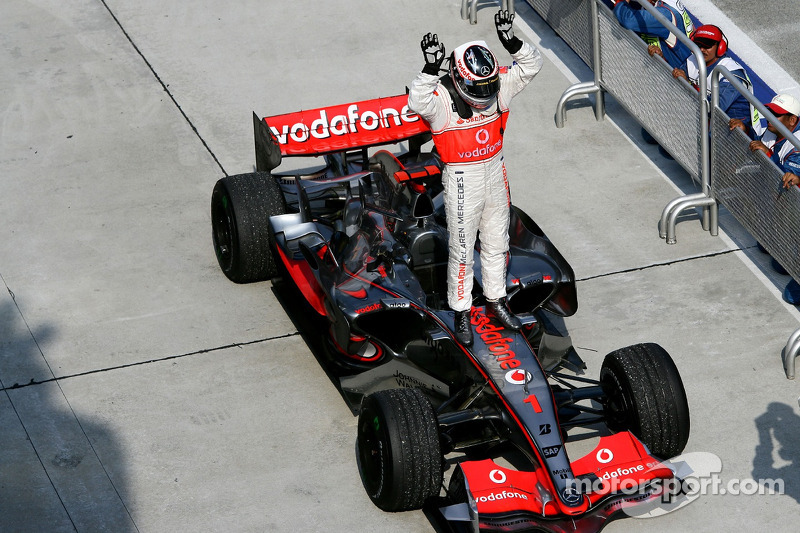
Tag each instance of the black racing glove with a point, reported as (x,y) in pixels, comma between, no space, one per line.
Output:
(503,21)
(433,51)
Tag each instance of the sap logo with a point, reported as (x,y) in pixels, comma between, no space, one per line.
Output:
(551,451)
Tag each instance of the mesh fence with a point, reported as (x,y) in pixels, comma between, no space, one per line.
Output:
(749,185)
(571,20)
(644,86)
(746,183)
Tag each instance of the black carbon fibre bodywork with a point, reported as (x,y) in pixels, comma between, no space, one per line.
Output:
(370,254)
(357,251)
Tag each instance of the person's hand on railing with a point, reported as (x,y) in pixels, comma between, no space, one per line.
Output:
(679,73)
(737,123)
(759,146)
(790,180)
(433,51)
(654,50)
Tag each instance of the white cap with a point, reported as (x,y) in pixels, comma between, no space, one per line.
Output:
(784,103)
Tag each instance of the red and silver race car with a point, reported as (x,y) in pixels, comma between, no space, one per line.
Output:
(362,237)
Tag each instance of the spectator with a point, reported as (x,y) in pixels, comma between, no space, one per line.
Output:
(714,45)
(660,40)
(786,157)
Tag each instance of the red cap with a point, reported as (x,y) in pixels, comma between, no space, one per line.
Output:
(708,32)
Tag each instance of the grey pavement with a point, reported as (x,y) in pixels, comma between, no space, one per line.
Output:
(142,391)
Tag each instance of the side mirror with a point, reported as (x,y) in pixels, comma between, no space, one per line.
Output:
(422,206)
(321,257)
(310,257)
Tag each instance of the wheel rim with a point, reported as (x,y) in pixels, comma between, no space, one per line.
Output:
(224,231)
(372,453)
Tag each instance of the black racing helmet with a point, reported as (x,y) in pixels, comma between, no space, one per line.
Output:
(475,74)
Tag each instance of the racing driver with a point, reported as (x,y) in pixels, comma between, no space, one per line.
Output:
(466,110)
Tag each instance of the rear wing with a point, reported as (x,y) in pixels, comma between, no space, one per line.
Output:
(334,129)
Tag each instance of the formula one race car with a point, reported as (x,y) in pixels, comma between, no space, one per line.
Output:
(364,239)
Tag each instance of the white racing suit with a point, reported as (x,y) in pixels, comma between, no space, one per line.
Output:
(476,194)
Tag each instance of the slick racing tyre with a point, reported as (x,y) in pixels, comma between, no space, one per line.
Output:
(240,209)
(644,394)
(398,451)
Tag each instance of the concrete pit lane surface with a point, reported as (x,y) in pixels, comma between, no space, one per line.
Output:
(143,391)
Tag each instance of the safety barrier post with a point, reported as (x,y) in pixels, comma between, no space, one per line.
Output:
(508,5)
(469,9)
(790,353)
(587,87)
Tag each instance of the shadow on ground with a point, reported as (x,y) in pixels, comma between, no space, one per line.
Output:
(777,456)
(52,474)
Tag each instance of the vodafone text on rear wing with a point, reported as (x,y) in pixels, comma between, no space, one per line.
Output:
(334,129)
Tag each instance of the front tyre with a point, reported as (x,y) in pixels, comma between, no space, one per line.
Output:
(644,394)
(240,209)
(398,451)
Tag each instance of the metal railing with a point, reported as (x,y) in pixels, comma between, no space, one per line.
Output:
(747,183)
(750,186)
(790,353)
(469,9)
(652,96)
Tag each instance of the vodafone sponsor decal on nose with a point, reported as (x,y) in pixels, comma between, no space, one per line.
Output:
(504,495)
(494,337)
(619,472)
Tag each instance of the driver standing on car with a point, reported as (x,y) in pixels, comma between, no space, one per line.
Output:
(466,110)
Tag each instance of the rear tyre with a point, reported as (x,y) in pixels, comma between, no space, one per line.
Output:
(645,395)
(398,451)
(240,209)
